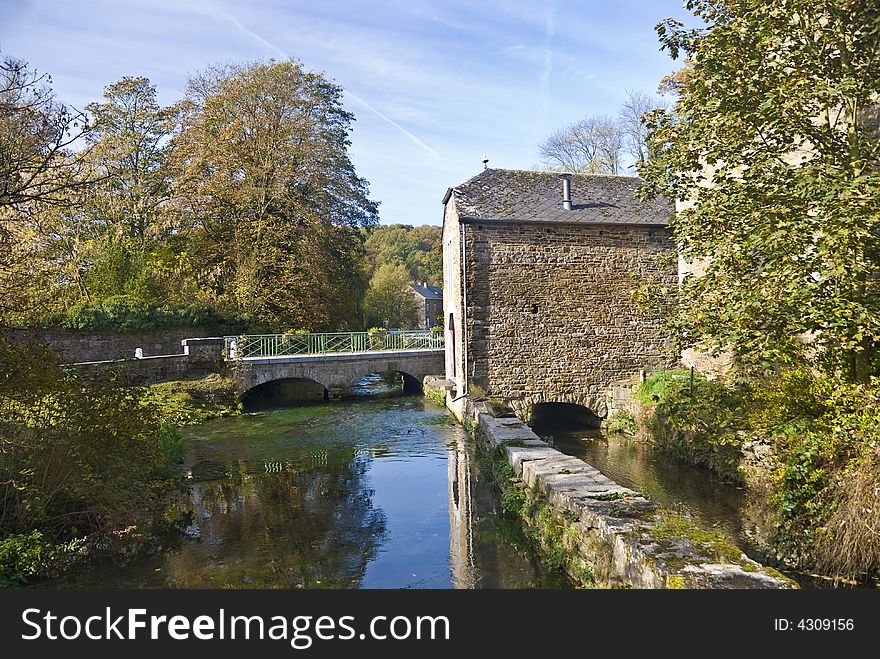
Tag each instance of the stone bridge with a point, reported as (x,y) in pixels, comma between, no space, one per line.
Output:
(335,361)
(337,372)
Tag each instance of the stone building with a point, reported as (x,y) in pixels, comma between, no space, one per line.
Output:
(538,272)
(430,301)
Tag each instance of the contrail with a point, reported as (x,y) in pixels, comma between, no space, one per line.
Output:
(213,12)
(359,100)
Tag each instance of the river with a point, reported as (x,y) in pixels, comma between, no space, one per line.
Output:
(378,491)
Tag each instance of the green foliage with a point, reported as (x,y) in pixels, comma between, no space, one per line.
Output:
(622,421)
(774,141)
(24,555)
(253,214)
(126,313)
(81,459)
(417,249)
(170,443)
(823,432)
(824,435)
(273,191)
(700,423)
(390,302)
(191,402)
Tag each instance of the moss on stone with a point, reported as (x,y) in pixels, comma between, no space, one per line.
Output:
(191,402)
(671,527)
(675,582)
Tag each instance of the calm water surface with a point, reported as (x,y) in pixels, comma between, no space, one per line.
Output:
(370,493)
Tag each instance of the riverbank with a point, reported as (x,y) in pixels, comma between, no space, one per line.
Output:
(599,533)
(89,469)
(803,446)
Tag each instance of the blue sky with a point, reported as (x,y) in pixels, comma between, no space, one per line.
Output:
(433,84)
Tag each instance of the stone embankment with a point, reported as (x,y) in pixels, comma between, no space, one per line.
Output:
(621,537)
(600,533)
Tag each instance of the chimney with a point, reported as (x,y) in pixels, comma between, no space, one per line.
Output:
(566,191)
(425,284)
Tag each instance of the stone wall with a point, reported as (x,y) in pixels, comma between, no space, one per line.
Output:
(612,536)
(549,310)
(200,356)
(81,346)
(149,370)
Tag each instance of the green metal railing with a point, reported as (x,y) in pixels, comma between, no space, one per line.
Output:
(280,345)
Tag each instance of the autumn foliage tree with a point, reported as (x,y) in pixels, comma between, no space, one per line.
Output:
(261,165)
(390,302)
(773,144)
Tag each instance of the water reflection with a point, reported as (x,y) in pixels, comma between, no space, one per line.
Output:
(727,509)
(312,526)
(370,493)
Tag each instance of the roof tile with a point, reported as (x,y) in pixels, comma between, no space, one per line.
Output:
(523,196)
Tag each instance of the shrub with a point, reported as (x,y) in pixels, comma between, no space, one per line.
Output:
(699,422)
(826,434)
(23,555)
(80,459)
(127,313)
(622,421)
(170,443)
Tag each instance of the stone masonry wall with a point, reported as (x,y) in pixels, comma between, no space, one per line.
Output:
(549,309)
(75,346)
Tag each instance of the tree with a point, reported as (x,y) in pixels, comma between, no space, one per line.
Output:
(418,249)
(390,302)
(130,204)
(592,145)
(774,144)
(631,121)
(37,136)
(261,165)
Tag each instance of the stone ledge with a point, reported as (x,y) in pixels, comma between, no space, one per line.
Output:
(623,537)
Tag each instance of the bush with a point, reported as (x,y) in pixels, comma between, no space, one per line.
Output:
(24,555)
(701,423)
(80,459)
(826,434)
(622,421)
(170,443)
(127,313)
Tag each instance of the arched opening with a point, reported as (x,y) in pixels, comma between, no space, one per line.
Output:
(451,328)
(550,417)
(386,384)
(283,393)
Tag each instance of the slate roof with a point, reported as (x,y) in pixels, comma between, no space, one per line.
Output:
(522,196)
(428,292)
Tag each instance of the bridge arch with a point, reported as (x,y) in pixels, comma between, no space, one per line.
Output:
(282,392)
(338,372)
(569,415)
(591,405)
